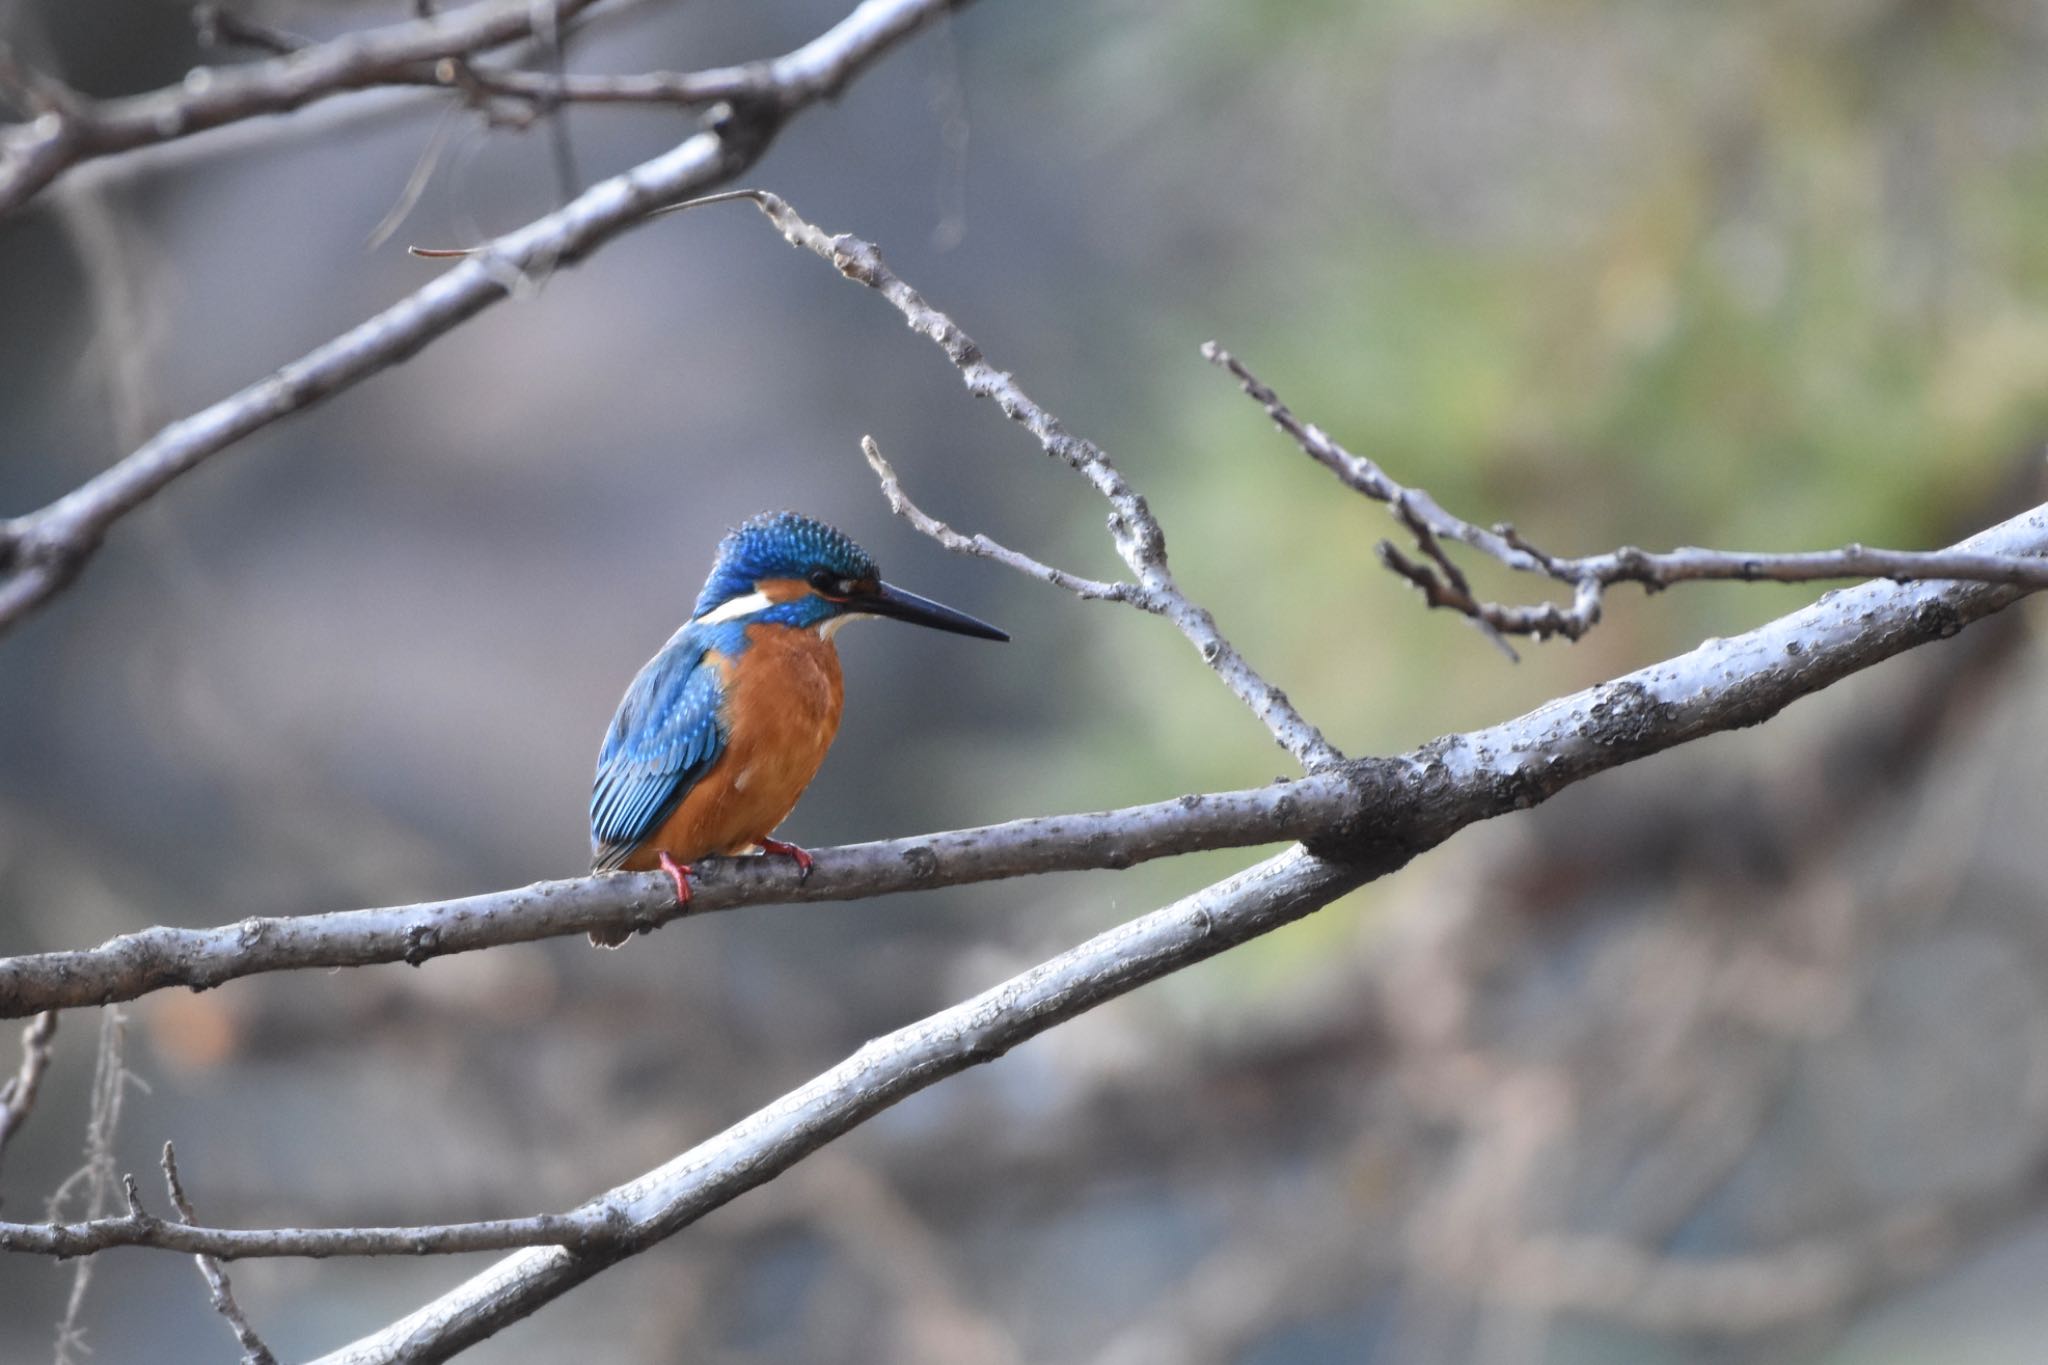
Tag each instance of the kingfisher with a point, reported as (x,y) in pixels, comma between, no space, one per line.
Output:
(723,729)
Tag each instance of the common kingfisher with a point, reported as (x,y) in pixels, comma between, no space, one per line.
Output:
(723,729)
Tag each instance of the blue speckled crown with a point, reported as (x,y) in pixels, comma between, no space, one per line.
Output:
(778,545)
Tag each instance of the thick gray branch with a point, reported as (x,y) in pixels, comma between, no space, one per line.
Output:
(43,551)
(141,1229)
(154,959)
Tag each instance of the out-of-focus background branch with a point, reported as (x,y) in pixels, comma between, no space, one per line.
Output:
(41,553)
(1738,1053)
(64,128)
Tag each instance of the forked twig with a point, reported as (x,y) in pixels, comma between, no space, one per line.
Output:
(1443,585)
(218,1290)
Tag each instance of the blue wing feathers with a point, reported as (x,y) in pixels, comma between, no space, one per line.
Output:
(668,731)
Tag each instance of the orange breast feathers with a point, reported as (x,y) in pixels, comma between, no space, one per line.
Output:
(783,698)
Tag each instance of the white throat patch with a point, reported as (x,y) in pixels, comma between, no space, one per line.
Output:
(738,607)
(830,626)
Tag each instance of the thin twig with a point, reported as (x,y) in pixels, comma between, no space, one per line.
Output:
(554,42)
(415,184)
(1444,585)
(218,1290)
(124,291)
(18,1092)
(220,26)
(33,92)
(981,546)
(1139,539)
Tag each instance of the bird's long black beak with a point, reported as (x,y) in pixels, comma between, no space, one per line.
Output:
(887,600)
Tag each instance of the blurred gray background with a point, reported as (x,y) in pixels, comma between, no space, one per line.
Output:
(1739,1055)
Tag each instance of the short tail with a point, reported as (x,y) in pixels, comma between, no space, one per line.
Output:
(606,858)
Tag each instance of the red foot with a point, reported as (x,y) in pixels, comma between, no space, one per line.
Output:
(803,859)
(680,875)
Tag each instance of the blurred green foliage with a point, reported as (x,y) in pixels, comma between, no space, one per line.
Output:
(1747,275)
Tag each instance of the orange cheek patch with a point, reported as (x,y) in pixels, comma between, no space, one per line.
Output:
(782,589)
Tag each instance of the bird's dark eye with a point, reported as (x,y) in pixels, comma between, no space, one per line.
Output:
(824,580)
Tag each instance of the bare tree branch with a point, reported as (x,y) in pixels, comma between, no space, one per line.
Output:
(221,25)
(1443,584)
(154,959)
(18,1092)
(219,1291)
(43,551)
(1139,538)
(354,110)
(137,1228)
(685,88)
(72,129)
